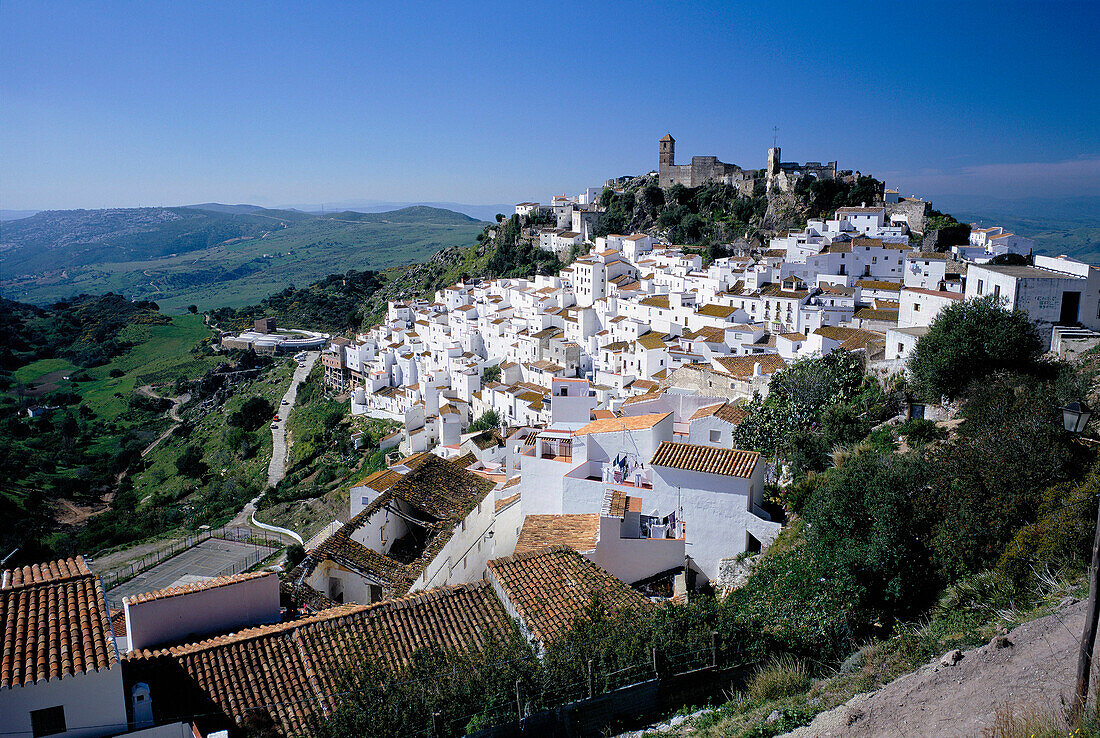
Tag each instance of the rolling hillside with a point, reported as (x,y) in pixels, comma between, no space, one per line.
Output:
(210,255)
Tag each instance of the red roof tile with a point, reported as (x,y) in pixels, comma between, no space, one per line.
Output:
(56,623)
(551,587)
(729,462)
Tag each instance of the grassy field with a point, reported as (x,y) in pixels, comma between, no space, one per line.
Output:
(160,353)
(243,272)
(233,475)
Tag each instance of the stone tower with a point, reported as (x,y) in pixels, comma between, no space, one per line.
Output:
(668,151)
(773,162)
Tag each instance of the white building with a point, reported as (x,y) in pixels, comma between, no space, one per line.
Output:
(60,672)
(1058,290)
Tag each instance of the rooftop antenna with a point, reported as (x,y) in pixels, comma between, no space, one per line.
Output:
(775,136)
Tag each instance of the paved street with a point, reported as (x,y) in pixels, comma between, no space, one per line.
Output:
(276,470)
(210,558)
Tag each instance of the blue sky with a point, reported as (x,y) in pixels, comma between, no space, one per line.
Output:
(126,104)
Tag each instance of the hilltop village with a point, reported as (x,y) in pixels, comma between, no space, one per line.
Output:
(565,437)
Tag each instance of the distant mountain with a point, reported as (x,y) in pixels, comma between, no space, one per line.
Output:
(411,214)
(6,215)
(210,254)
(1068,226)
(481,212)
(217,207)
(60,239)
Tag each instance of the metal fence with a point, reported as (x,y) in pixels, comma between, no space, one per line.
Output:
(114,577)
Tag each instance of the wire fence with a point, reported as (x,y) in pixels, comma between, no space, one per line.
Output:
(630,689)
(112,578)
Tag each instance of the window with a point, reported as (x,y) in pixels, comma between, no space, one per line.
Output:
(916,307)
(997,290)
(48,721)
(981,286)
(715,436)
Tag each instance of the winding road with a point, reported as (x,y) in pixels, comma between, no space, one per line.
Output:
(280,447)
(173,414)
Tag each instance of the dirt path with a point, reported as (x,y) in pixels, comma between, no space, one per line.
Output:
(1036,671)
(172,414)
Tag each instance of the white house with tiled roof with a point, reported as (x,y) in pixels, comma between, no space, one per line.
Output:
(59,670)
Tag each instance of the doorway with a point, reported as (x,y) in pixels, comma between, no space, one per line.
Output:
(1071,301)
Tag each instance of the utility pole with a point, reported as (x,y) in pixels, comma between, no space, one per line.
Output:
(1088,638)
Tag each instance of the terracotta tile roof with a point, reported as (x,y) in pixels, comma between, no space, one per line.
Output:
(862,340)
(706,411)
(441,488)
(435,487)
(214,583)
(744,366)
(878,284)
(875,314)
(578,531)
(732,414)
(717,311)
(652,340)
(464,460)
(729,462)
(56,623)
(292,667)
(710,334)
(642,398)
(657,301)
(551,587)
(609,425)
(617,502)
(505,502)
(118,623)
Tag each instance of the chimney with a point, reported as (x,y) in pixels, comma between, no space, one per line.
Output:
(756,369)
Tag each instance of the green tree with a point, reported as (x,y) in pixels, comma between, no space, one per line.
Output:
(489,419)
(254,413)
(193,309)
(490,374)
(190,463)
(862,533)
(971,339)
(988,480)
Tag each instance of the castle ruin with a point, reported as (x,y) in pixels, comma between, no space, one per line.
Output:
(779,175)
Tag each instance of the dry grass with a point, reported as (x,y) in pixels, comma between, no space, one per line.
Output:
(1029,721)
(780,677)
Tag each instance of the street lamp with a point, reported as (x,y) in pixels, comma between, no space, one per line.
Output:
(1075,416)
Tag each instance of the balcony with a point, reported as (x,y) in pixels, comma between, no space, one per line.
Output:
(638,478)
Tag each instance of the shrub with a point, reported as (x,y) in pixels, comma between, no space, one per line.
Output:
(489,419)
(861,533)
(918,432)
(1061,534)
(294,555)
(988,481)
(969,340)
(190,463)
(782,676)
(254,413)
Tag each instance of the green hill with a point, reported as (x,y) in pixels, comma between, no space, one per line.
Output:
(411,214)
(211,258)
